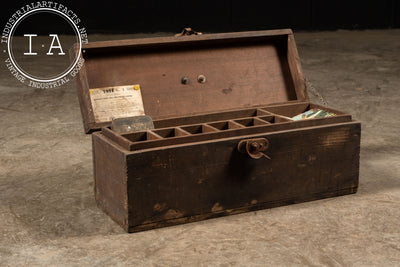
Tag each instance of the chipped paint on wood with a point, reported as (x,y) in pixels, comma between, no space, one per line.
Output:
(172,214)
(159,207)
(335,138)
(170,194)
(311,158)
(216,207)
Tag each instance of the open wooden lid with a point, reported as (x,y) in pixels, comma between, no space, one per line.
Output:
(243,69)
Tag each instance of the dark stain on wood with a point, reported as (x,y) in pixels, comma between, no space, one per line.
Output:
(226,91)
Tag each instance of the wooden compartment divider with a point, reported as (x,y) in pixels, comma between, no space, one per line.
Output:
(222,125)
(248,122)
(182,132)
(225,125)
(212,117)
(198,129)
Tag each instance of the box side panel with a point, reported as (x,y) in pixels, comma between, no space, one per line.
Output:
(110,179)
(174,185)
(296,70)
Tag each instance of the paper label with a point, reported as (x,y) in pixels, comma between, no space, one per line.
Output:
(116,102)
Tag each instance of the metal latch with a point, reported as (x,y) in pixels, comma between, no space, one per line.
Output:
(254,147)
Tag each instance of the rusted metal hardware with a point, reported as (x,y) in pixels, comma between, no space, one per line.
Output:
(201,78)
(254,147)
(185,80)
(188,31)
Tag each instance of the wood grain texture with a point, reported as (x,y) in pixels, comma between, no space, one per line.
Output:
(189,168)
(197,181)
(295,69)
(180,130)
(237,76)
(110,179)
(183,40)
(83,93)
(241,69)
(214,133)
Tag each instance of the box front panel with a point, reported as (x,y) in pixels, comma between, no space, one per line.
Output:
(186,183)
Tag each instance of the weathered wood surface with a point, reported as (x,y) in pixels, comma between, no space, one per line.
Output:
(212,126)
(110,180)
(184,183)
(189,168)
(242,70)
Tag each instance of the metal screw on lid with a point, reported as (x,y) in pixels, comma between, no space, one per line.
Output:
(185,80)
(201,79)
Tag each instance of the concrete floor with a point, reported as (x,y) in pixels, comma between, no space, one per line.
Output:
(48,215)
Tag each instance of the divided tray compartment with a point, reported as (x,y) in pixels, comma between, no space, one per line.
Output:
(210,117)
(249,122)
(227,124)
(142,136)
(198,129)
(274,119)
(170,132)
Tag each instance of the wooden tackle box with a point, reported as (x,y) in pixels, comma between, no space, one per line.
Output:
(223,142)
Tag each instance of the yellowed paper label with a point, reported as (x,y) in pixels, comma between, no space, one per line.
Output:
(116,102)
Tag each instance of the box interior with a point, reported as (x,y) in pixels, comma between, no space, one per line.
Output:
(180,130)
(240,70)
